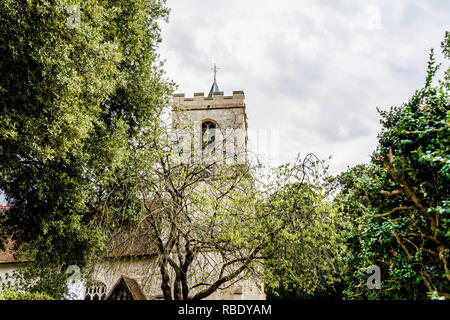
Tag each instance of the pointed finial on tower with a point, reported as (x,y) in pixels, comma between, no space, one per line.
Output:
(214,87)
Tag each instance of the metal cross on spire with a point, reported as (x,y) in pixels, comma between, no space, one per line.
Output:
(214,87)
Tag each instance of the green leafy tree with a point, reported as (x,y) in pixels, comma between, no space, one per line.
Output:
(199,218)
(34,279)
(399,204)
(73,102)
(211,224)
(11,294)
(306,262)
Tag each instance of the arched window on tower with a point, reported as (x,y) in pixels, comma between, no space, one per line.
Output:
(208,139)
(96,290)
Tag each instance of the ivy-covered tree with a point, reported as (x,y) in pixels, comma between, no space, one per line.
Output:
(399,204)
(78,86)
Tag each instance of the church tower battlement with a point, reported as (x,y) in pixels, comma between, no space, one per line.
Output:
(225,111)
(218,100)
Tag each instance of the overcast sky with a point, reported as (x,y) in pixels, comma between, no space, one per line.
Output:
(313,71)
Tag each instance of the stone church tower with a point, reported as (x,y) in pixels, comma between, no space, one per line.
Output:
(217,123)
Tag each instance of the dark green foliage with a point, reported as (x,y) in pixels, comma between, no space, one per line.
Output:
(306,260)
(400,204)
(72,105)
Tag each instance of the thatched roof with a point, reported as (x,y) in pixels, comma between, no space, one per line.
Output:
(7,255)
(126,289)
(135,243)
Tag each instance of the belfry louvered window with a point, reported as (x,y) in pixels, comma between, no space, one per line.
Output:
(208,137)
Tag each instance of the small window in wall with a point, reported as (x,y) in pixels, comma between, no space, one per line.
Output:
(180,146)
(235,149)
(208,133)
(96,290)
(208,136)
(224,150)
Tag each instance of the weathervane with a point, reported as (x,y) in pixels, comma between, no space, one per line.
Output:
(214,87)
